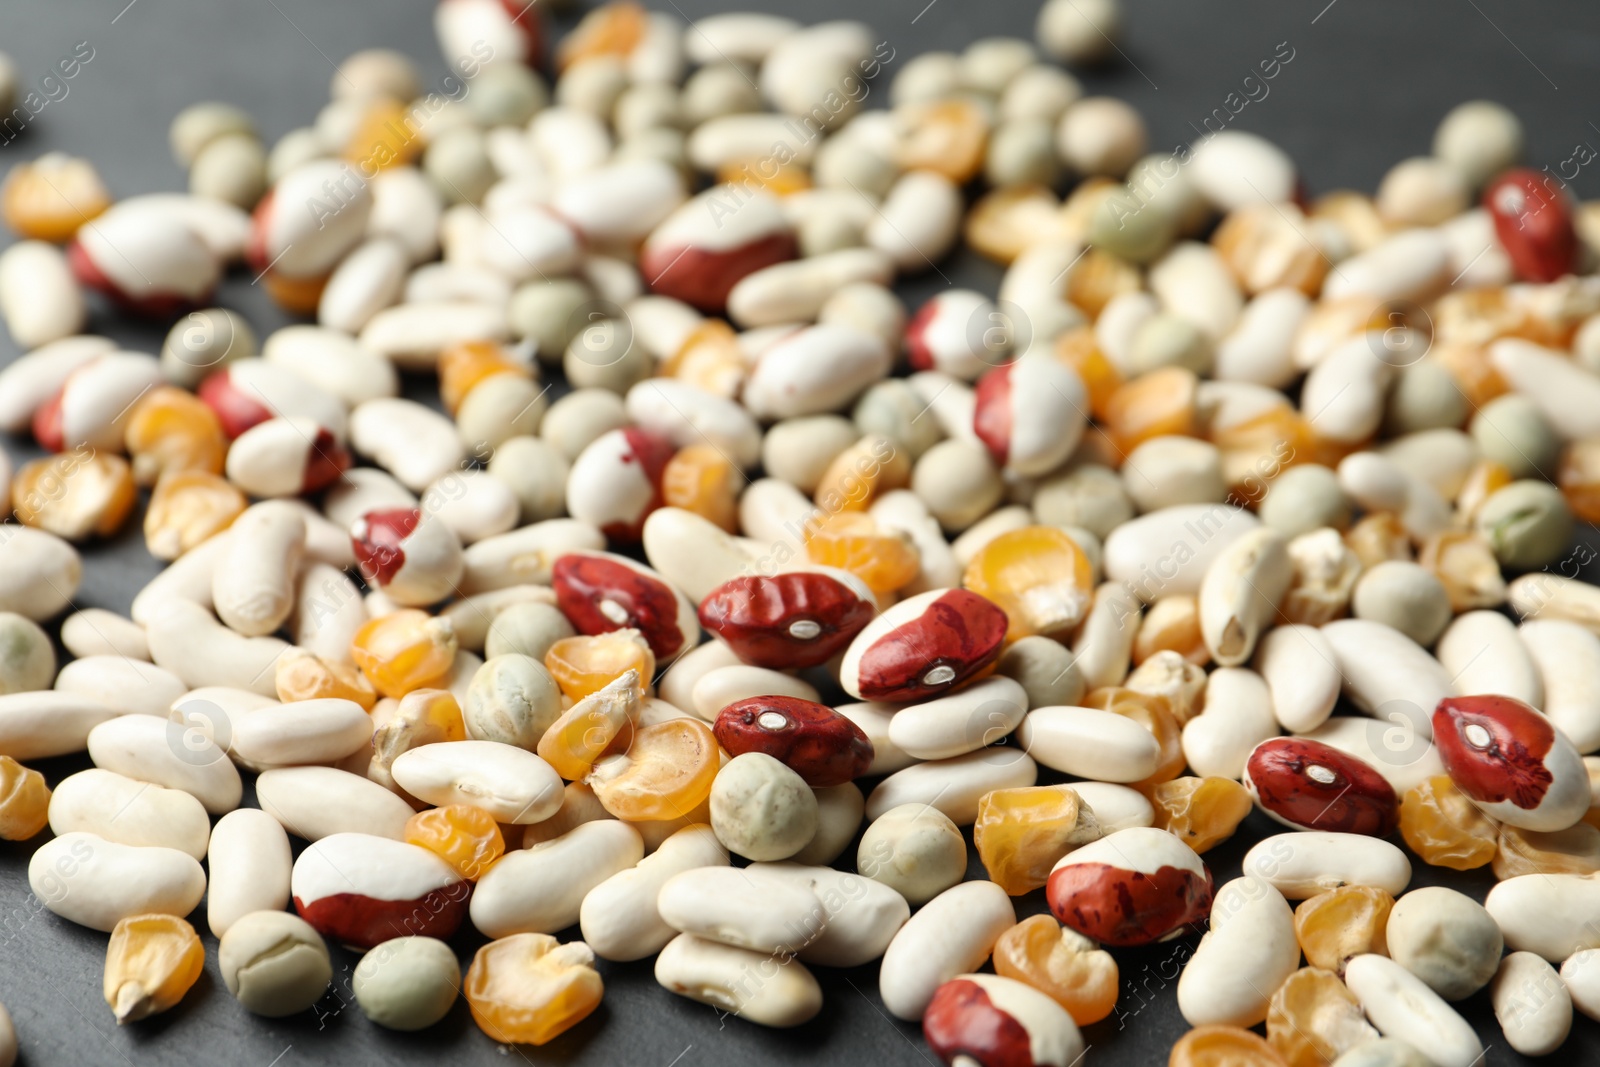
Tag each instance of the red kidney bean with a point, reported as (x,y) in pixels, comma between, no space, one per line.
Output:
(1312,786)
(788,620)
(1130,887)
(991,416)
(923,646)
(999,1022)
(817,743)
(1511,761)
(1533,220)
(601,593)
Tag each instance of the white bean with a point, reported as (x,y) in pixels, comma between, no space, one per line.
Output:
(1303,864)
(758,988)
(97,883)
(1400,1006)
(540,889)
(512,784)
(955,785)
(619,917)
(952,934)
(250,863)
(317,802)
(1251,948)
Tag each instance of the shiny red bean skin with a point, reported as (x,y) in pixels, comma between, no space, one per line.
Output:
(1123,907)
(823,747)
(1314,786)
(785,621)
(1533,220)
(599,595)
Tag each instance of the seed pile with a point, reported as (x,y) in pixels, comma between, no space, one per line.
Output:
(1216,457)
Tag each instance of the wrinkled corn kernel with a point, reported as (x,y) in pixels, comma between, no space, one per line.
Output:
(75,495)
(1379,538)
(1444,828)
(583,665)
(1038,576)
(1223,1046)
(1484,480)
(48,199)
(1466,566)
(1172,624)
(1579,478)
(172,430)
(1313,1018)
(1098,278)
(527,988)
(1336,926)
(1159,403)
(885,559)
(1469,365)
(421,717)
(1006,222)
(188,507)
(665,774)
(613,29)
(404,651)
(1021,833)
(151,962)
(699,478)
(24,801)
(862,473)
(465,366)
(710,359)
(594,724)
(1060,963)
(301,675)
(1575,850)
(947,137)
(465,837)
(297,296)
(384,137)
(779,179)
(1078,349)
(1202,812)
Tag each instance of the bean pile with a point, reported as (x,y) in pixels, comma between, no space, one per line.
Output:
(1215,457)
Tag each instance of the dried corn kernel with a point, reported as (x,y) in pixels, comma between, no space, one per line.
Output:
(1579,478)
(151,962)
(666,772)
(1313,1018)
(1098,278)
(1484,480)
(1336,926)
(613,29)
(598,720)
(1469,365)
(48,199)
(1021,833)
(1575,850)
(297,296)
(862,473)
(172,430)
(1202,812)
(1006,222)
(465,837)
(1378,538)
(75,495)
(1154,713)
(947,137)
(527,988)
(1172,624)
(779,179)
(404,650)
(1465,564)
(1157,404)
(1060,963)
(465,366)
(699,478)
(384,137)
(710,359)
(1443,827)
(1078,349)
(301,675)
(885,559)
(24,801)
(1265,247)
(583,665)
(188,507)
(1223,1046)
(1038,575)
(421,717)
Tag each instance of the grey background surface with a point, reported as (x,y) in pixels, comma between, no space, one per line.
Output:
(1368,82)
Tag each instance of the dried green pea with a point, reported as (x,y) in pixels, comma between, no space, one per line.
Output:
(1089,495)
(547,313)
(1527,523)
(407,983)
(527,630)
(1305,498)
(27,660)
(1425,396)
(511,699)
(1511,430)
(893,408)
